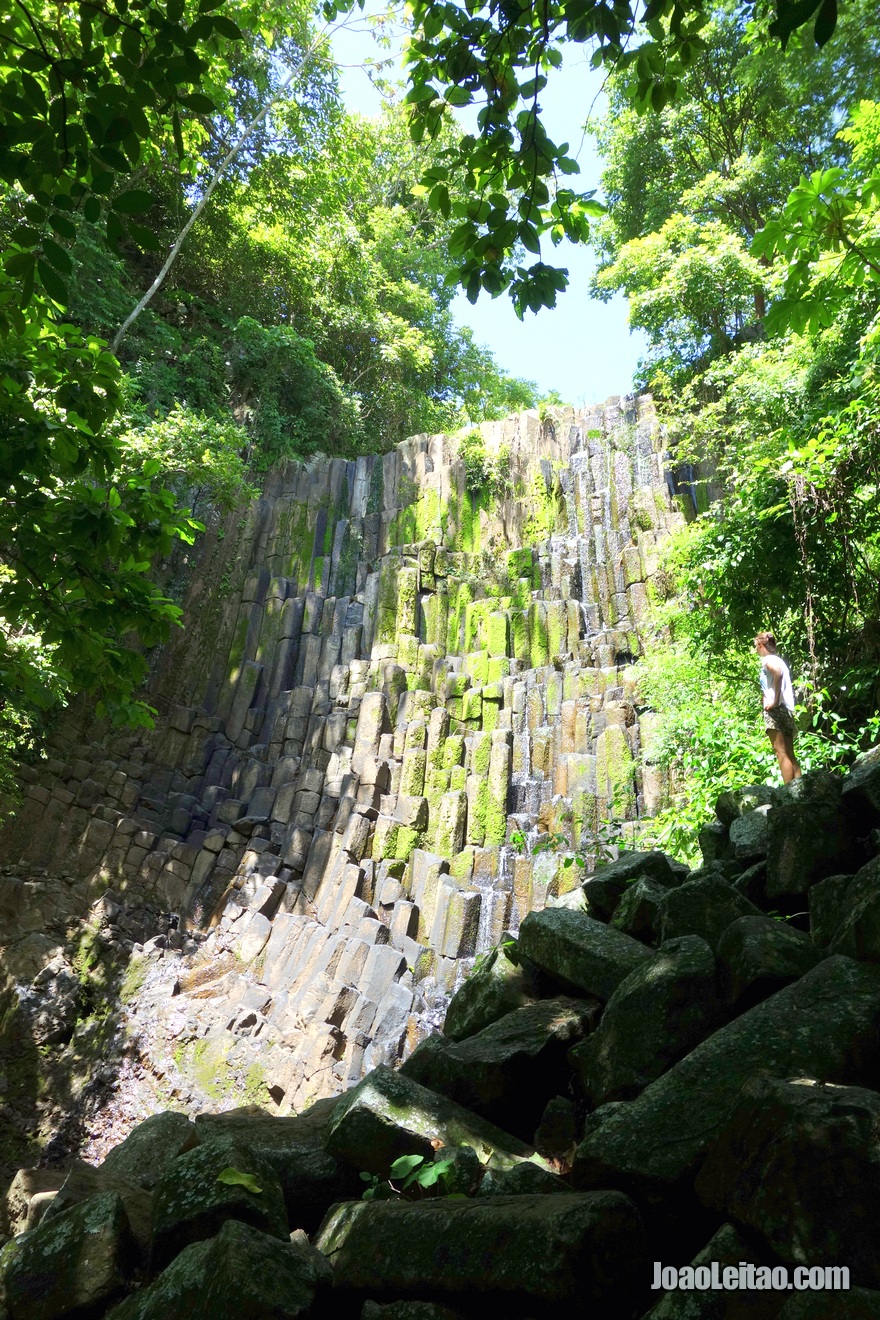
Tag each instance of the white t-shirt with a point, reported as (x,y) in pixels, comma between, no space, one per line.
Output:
(768,683)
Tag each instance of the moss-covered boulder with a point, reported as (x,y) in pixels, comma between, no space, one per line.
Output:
(508,1071)
(773,1172)
(388,1115)
(703,907)
(216,1181)
(758,956)
(240,1272)
(74,1264)
(518,1255)
(660,1012)
(141,1157)
(578,952)
(824,1025)
(497,985)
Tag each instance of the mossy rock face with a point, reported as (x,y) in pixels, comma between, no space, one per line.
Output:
(508,1071)
(388,1115)
(193,1199)
(239,1272)
(522,1254)
(496,986)
(79,1260)
(822,1026)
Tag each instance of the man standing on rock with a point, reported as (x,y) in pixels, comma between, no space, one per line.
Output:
(778,695)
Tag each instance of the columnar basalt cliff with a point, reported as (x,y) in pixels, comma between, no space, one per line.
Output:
(389,667)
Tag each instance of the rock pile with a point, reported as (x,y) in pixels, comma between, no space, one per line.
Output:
(665,1066)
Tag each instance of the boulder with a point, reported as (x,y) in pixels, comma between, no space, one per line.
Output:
(656,1015)
(758,956)
(714,842)
(604,888)
(858,932)
(523,1179)
(726,1248)
(193,1199)
(808,836)
(749,835)
(508,1071)
(311,1178)
(704,907)
(85,1181)
(734,802)
(388,1115)
(824,1025)
(240,1272)
(797,1163)
(860,793)
(638,912)
(497,985)
(578,952)
(556,1133)
(752,884)
(29,1188)
(81,1259)
(141,1157)
(826,900)
(308,1128)
(518,1255)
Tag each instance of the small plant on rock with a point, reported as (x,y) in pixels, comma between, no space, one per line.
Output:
(413,1174)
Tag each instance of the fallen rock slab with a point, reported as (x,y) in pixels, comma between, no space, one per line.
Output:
(758,956)
(496,986)
(726,1248)
(656,1015)
(388,1115)
(704,907)
(508,1071)
(146,1150)
(578,951)
(81,1259)
(196,1195)
(523,1255)
(240,1272)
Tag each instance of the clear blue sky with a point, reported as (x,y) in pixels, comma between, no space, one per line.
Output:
(582,348)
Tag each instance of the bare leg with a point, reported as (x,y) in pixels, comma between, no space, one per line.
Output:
(784,748)
(789,750)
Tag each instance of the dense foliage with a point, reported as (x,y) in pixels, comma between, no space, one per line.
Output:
(307,309)
(755,273)
(499,58)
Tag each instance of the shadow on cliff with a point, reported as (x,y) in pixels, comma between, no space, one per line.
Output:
(61,1046)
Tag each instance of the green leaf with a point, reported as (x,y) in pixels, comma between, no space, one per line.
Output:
(57,256)
(457,96)
(405,1164)
(133,202)
(227,28)
(235,1178)
(52,282)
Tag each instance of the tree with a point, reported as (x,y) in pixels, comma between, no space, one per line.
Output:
(690,187)
(499,56)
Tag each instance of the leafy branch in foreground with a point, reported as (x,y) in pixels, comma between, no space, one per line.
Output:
(499,58)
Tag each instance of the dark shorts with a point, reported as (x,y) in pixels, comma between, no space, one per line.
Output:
(781,719)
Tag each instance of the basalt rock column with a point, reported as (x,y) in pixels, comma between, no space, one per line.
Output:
(384,674)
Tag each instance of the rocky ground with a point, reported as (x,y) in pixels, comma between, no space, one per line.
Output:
(659,1067)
